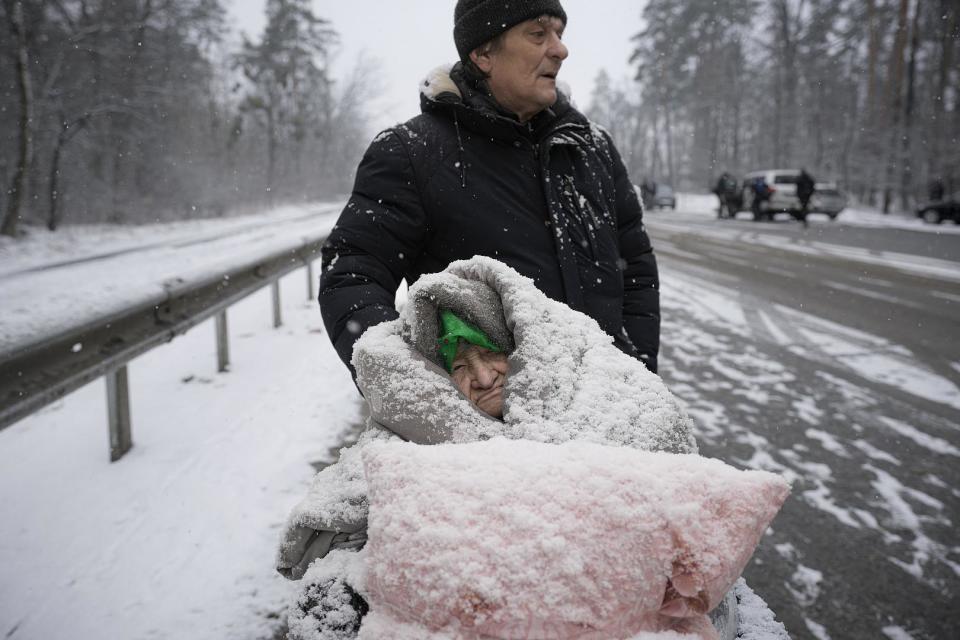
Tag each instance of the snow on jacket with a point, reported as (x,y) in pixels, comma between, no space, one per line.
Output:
(566,381)
(551,198)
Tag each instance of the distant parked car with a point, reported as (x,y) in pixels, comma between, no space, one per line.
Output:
(783,194)
(664,197)
(937,212)
(828,199)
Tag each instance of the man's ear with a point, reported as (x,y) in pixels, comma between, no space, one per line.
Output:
(481,57)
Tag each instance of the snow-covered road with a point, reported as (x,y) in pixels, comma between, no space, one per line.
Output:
(838,367)
(52,282)
(177,539)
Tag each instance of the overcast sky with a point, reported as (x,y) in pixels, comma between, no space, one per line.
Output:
(410,37)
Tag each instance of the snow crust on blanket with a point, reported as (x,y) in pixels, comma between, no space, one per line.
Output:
(519,539)
(567,381)
(335,501)
(401,386)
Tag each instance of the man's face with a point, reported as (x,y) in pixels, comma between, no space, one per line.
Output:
(523,71)
(479,374)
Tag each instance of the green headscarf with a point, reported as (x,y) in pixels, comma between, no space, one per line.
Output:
(453,330)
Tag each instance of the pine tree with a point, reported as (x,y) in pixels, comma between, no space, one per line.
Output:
(290,89)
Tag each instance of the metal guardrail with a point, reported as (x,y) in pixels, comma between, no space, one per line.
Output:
(37,374)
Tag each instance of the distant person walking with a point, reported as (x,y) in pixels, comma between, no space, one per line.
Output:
(805,188)
(726,191)
(761,193)
(648,189)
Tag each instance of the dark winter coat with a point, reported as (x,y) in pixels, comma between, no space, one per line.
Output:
(551,198)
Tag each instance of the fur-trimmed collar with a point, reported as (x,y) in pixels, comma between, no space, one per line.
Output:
(438,82)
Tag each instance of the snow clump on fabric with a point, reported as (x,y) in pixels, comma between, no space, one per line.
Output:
(566,378)
(566,381)
(329,608)
(519,539)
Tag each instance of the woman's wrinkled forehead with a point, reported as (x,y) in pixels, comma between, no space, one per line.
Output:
(467,352)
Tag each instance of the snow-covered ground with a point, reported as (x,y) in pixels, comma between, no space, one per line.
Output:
(50,282)
(864,422)
(147,259)
(810,405)
(177,539)
(705,205)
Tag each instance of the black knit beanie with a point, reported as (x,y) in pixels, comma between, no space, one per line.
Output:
(479,21)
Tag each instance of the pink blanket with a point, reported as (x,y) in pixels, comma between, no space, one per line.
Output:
(515,539)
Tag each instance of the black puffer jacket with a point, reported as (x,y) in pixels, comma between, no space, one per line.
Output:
(551,198)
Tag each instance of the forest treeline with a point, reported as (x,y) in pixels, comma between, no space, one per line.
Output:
(141,110)
(863,92)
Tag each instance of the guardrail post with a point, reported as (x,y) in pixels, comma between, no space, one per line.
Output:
(309,280)
(118,412)
(46,371)
(275,288)
(223,347)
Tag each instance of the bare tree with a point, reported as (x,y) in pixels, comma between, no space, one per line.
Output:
(138,111)
(843,87)
(906,160)
(288,75)
(894,101)
(947,31)
(17,191)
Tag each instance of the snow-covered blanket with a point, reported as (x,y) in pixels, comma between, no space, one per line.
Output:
(567,381)
(517,539)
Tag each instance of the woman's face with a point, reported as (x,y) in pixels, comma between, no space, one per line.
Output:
(479,374)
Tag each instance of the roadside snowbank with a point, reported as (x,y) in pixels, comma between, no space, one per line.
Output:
(50,282)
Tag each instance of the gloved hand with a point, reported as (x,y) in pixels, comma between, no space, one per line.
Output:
(304,545)
(352,541)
